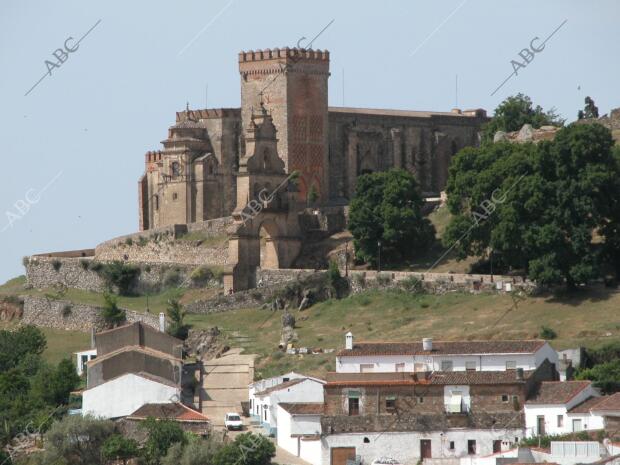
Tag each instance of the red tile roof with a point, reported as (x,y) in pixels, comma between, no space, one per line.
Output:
(444,348)
(303,408)
(173,410)
(586,405)
(609,403)
(437,378)
(280,386)
(478,377)
(558,392)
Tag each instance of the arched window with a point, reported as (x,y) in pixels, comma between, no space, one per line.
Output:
(210,168)
(265,166)
(176,169)
(156,202)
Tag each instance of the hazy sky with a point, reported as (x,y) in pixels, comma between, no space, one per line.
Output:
(80,135)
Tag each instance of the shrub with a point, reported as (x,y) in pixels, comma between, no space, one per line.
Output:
(360,280)
(383,279)
(129,241)
(56,264)
(66,310)
(172,278)
(25,261)
(176,314)
(120,275)
(96,266)
(335,280)
(142,241)
(112,315)
(200,276)
(412,284)
(84,264)
(147,268)
(547,333)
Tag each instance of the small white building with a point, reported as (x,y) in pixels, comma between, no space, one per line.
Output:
(82,358)
(562,407)
(296,390)
(299,430)
(262,385)
(429,355)
(125,394)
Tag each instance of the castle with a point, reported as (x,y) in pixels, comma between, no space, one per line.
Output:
(194,178)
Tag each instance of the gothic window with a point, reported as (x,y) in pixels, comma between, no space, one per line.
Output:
(210,168)
(156,202)
(265,165)
(175,196)
(176,169)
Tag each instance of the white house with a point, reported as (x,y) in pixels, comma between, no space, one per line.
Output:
(299,430)
(429,355)
(561,407)
(82,358)
(125,394)
(295,390)
(263,384)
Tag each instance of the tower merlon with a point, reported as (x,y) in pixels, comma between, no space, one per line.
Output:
(290,54)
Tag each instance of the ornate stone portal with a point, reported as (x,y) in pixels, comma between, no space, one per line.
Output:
(266,231)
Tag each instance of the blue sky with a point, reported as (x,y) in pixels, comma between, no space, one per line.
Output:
(82,132)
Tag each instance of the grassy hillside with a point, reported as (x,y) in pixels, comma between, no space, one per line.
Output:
(588,319)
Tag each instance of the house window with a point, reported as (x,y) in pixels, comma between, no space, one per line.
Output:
(456,402)
(511,365)
(354,406)
(560,421)
(176,168)
(577,426)
(417,367)
(390,403)
(175,196)
(470,366)
(446,365)
(400,367)
(471,447)
(367,367)
(156,201)
(451,447)
(420,400)
(286,380)
(505,397)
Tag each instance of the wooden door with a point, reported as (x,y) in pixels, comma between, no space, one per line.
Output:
(425,449)
(497,446)
(540,423)
(340,455)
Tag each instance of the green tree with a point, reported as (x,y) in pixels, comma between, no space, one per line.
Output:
(387,207)
(120,275)
(538,206)
(606,376)
(198,451)
(246,449)
(76,440)
(313,195)
(14,345)
(112,315)
(514,112)
(161,435)
(589,111)
(53,385)
(176,314)
(118,447)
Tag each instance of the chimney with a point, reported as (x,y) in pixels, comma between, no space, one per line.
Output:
(427,344)
(93,345)
(519,374)
(162,322)
(349,341)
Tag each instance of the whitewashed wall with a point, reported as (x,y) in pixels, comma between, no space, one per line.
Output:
(308,450)
(124,395)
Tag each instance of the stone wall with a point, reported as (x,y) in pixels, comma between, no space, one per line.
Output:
(74,273)
(172,244)
(63,314)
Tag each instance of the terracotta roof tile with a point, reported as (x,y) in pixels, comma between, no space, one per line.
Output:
(173,410)
(280,386)
(586,405)
(478,377)
(444,348)
(558,392)
(437,378)
(609,403)
(303,408)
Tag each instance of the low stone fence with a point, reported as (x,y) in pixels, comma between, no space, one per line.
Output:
(169,244)
(63,314)
(81,273)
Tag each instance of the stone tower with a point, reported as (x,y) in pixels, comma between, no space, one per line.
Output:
(291,83)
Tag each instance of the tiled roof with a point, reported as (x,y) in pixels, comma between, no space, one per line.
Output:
(303,408)
(609,403)
(280,386)
(585,406)
(133,348)
(437,378)
(558,392)
(444,348)
(174,410)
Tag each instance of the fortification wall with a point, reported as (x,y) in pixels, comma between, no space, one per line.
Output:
(63,314)
(74,273)
(192,244)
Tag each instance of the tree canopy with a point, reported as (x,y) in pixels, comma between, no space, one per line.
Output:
(514,112)
(551,209)
(387,207)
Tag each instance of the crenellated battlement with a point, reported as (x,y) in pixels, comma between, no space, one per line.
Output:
(153,156)
(286,52)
